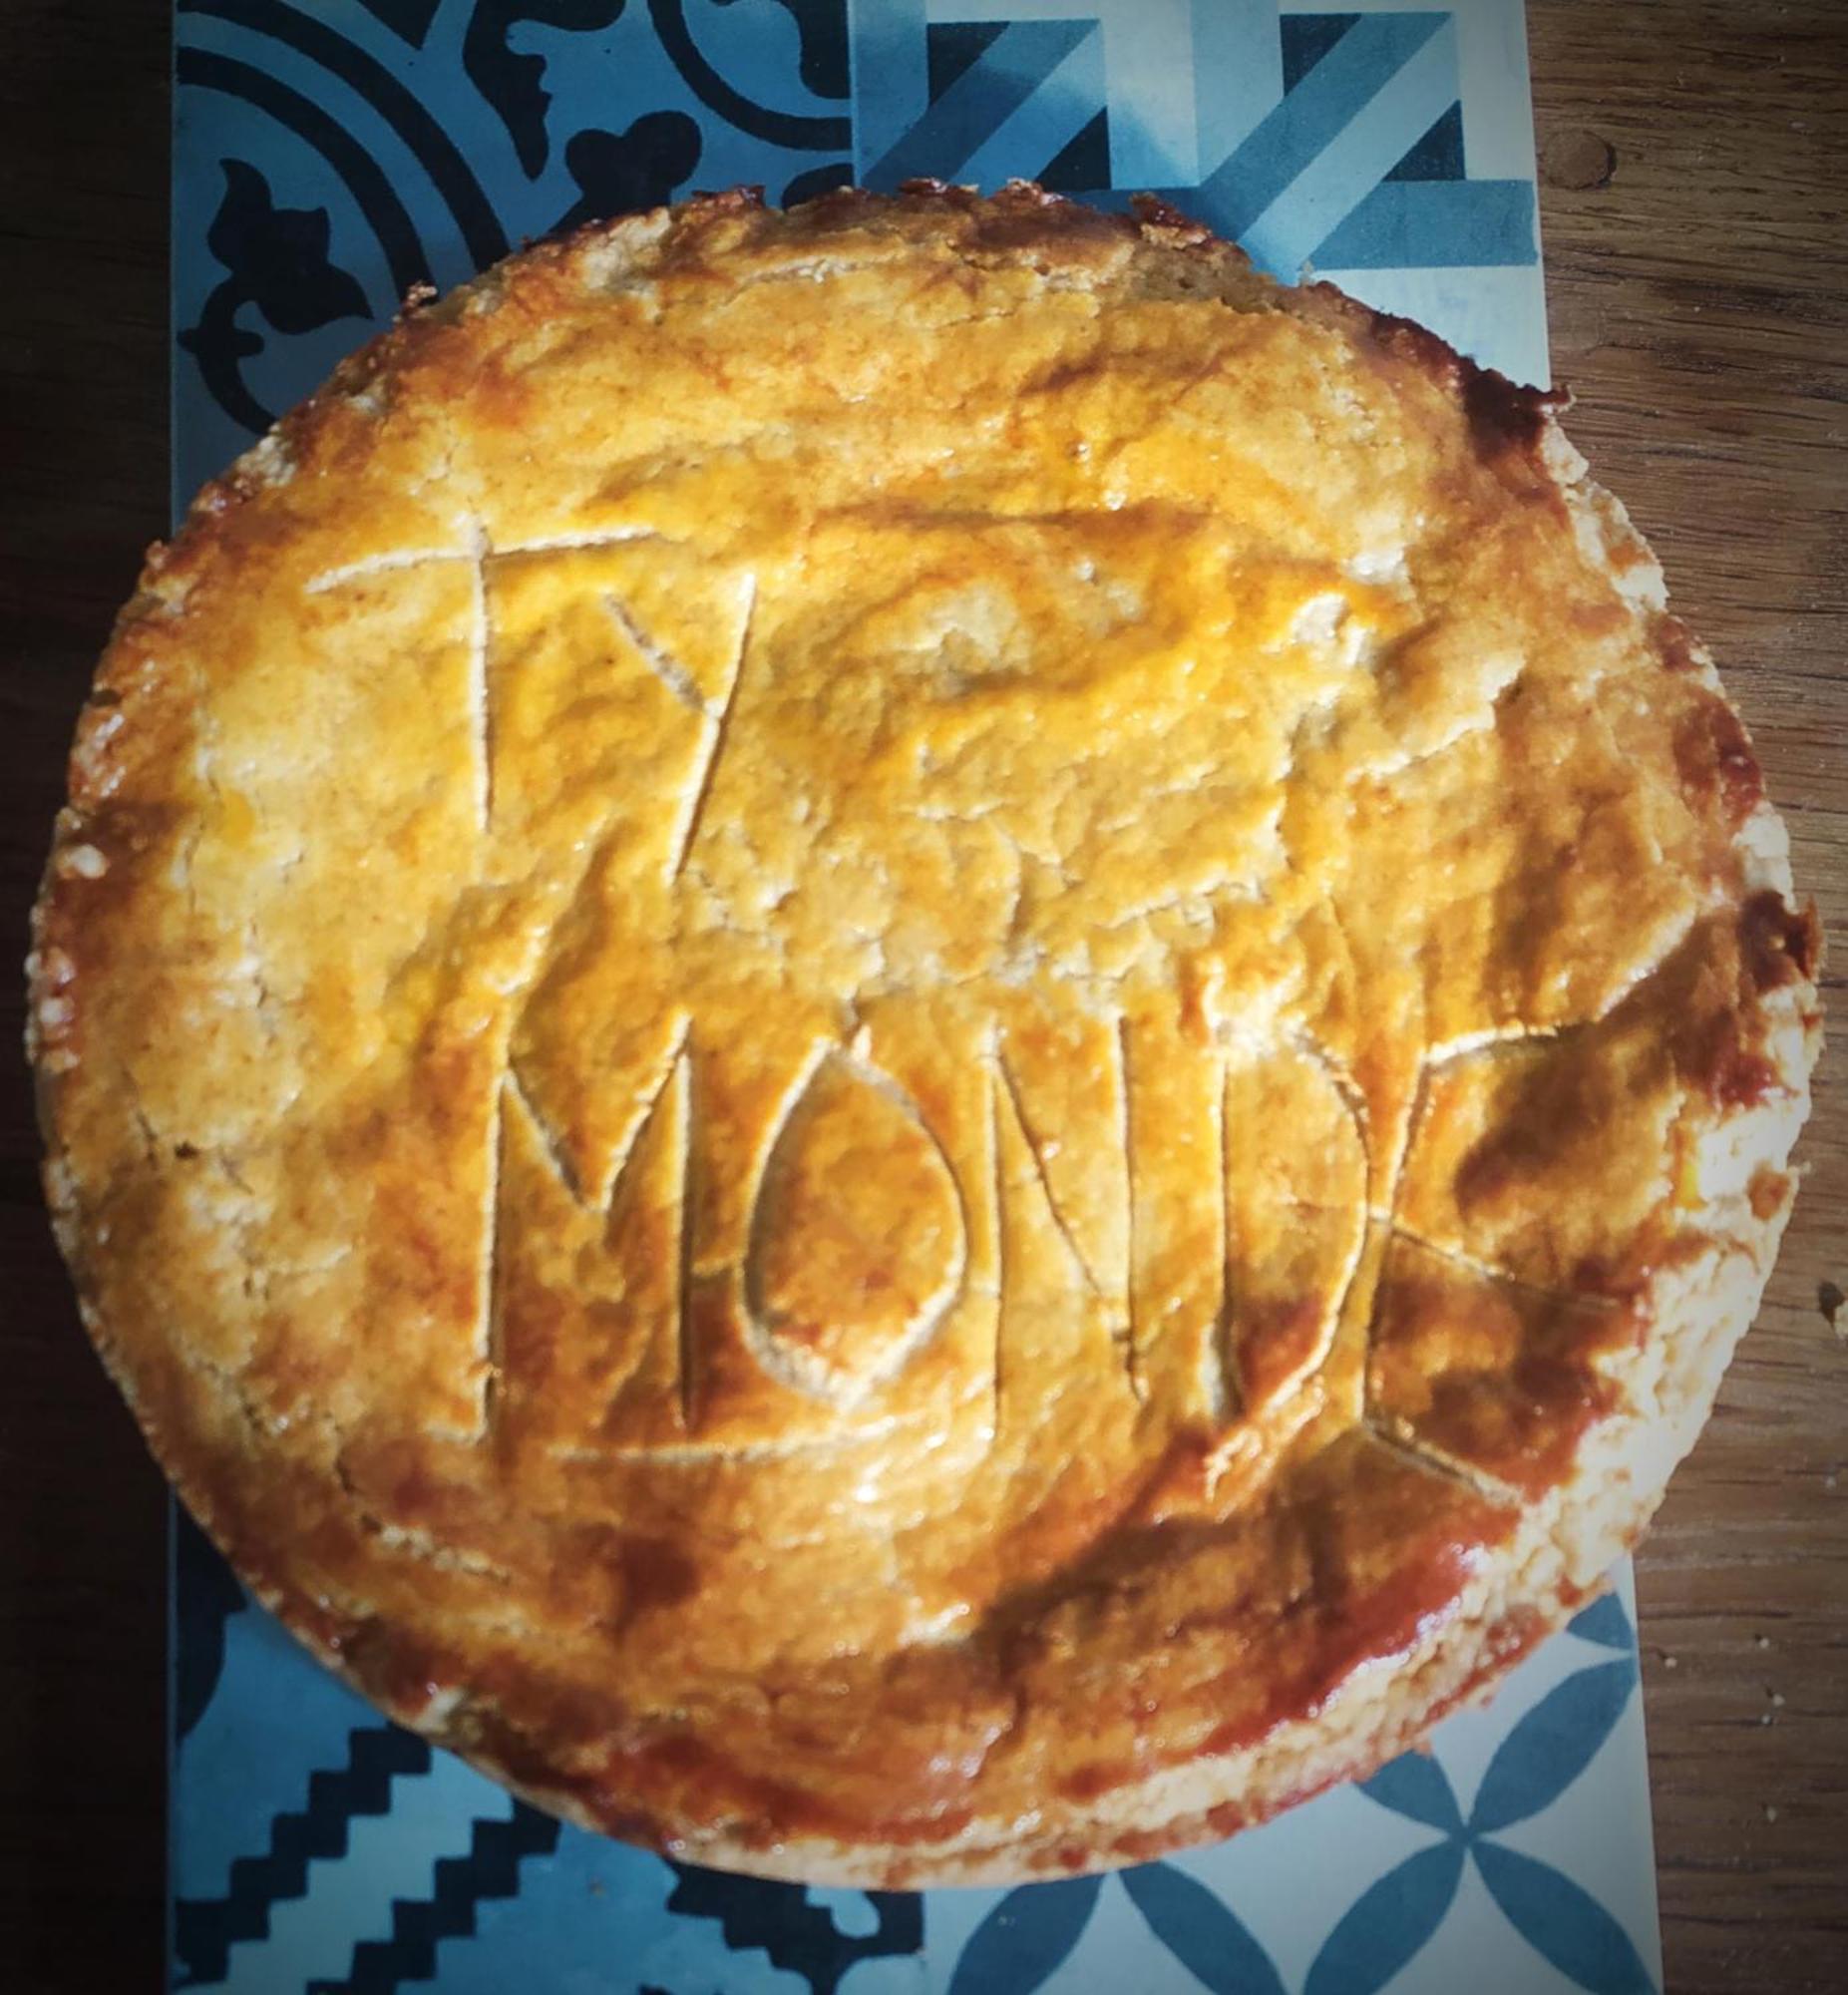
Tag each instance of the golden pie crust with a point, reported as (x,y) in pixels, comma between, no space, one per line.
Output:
(913,1043)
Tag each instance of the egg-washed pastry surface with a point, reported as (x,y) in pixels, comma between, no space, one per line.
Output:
(914,1042)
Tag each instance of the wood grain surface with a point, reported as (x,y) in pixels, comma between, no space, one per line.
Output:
(1694,205)
(1695,212)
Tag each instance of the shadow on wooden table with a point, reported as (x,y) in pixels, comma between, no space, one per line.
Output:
(83,489)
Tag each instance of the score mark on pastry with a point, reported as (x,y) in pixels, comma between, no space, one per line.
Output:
(716,1295)
(1067,984)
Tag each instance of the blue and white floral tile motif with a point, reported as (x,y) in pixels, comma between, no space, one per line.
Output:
(331,157)
(321,1851)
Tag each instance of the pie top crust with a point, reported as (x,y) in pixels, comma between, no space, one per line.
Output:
(914,1042)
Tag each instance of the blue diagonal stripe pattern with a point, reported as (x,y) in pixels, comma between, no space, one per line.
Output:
(1407,102)
(1050,120)
(490,1869)
(206,1930)
(891,73)
(1237,73)
(1001,79)
(1434,225)
(1314,115)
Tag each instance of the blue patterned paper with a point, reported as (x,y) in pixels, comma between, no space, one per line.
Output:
(329,154)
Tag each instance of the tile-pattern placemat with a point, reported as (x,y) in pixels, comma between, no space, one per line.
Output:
(317,1848)
(328,156)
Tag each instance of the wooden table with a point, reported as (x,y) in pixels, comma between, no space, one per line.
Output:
(1694,209)
(1694,215)
(1695,201)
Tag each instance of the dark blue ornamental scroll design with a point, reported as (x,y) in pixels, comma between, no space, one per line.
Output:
(617,173)
(335,55)
(781,128)
(515,83)
(821,27)
(621,172)
(277,258)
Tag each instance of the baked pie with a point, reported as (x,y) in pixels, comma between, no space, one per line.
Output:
(913,1043)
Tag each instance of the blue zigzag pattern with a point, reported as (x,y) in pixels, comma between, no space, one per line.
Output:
(206,1930)
(490,1869)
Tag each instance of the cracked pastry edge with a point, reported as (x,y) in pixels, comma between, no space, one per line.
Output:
(1517,1593)
(1520,1594)
(1557,1563)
